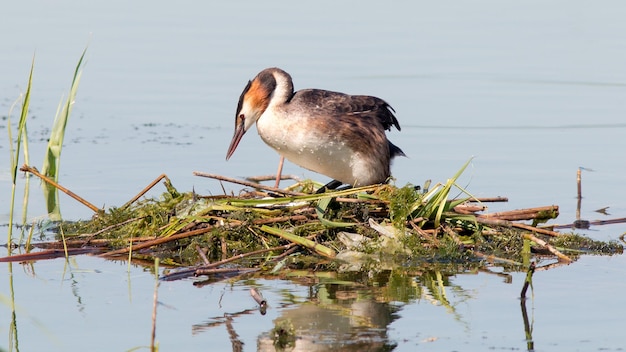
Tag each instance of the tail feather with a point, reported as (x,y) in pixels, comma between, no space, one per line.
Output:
(394,151)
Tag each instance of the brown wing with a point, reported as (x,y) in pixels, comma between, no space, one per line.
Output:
(330,103)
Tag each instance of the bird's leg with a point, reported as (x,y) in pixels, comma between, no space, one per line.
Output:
(279,172)
(330,185)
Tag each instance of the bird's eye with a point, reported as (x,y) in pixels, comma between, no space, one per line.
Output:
(241,116)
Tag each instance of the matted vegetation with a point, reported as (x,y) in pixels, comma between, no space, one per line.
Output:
(367,228)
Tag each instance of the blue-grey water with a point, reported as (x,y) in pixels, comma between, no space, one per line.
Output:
(532,90)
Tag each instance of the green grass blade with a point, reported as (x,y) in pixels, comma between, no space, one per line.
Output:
(309,197)
(53,153)
(318,248)
(435,202)
(15,156)
(320,209)
(22,124)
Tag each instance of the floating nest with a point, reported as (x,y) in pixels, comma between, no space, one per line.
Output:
(368,228)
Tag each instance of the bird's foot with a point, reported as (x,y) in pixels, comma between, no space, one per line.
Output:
(330,185)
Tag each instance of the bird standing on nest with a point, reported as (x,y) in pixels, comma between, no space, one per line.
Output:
(335,134)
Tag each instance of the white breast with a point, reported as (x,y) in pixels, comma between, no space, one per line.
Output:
(312,149)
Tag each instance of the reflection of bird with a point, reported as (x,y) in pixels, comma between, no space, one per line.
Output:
(338,135)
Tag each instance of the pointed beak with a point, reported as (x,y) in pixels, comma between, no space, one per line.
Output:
(240,130)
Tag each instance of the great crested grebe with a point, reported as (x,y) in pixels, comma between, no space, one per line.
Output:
(335,134)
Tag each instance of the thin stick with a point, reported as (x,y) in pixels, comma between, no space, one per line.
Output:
(34,171)
(47,254)
(505,223)
(158,241)
(469,208)
(579,183)
(244,255)
(246,183)
(552,250)
(81,243)
(202,255)
(285,253)
(145,190)
(223,245)
(260,178)
(536,229)
(423,233)
(489,199)
(258,297)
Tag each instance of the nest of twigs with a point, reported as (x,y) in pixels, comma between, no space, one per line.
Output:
(266,229)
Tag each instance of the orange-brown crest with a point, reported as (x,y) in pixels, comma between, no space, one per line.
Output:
(258,96)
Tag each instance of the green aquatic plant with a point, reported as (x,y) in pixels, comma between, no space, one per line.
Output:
(435,202)
(52,159)
(15,153)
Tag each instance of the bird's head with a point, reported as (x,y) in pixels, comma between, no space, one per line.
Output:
(255,99)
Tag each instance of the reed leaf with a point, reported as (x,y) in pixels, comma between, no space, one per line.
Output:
(15,153)
(52,159)
(320,209)
(435,202)
(304,198)
(318,248)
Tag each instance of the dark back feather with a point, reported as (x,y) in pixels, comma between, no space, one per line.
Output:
(363,105)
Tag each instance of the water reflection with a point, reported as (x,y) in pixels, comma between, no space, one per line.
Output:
(348,311)
(528,326)
(579,222)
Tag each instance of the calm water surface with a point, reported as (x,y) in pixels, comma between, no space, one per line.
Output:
(531,90)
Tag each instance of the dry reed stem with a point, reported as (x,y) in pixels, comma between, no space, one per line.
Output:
(248,184)
(552,250)
(260,178)
(34,171)
(145,190)
(521,214)
(102,242)
(536,229)
(431,239)
(202,255)
(244,255)
(489,199)
(509,224)
(158,241)
(469,208)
